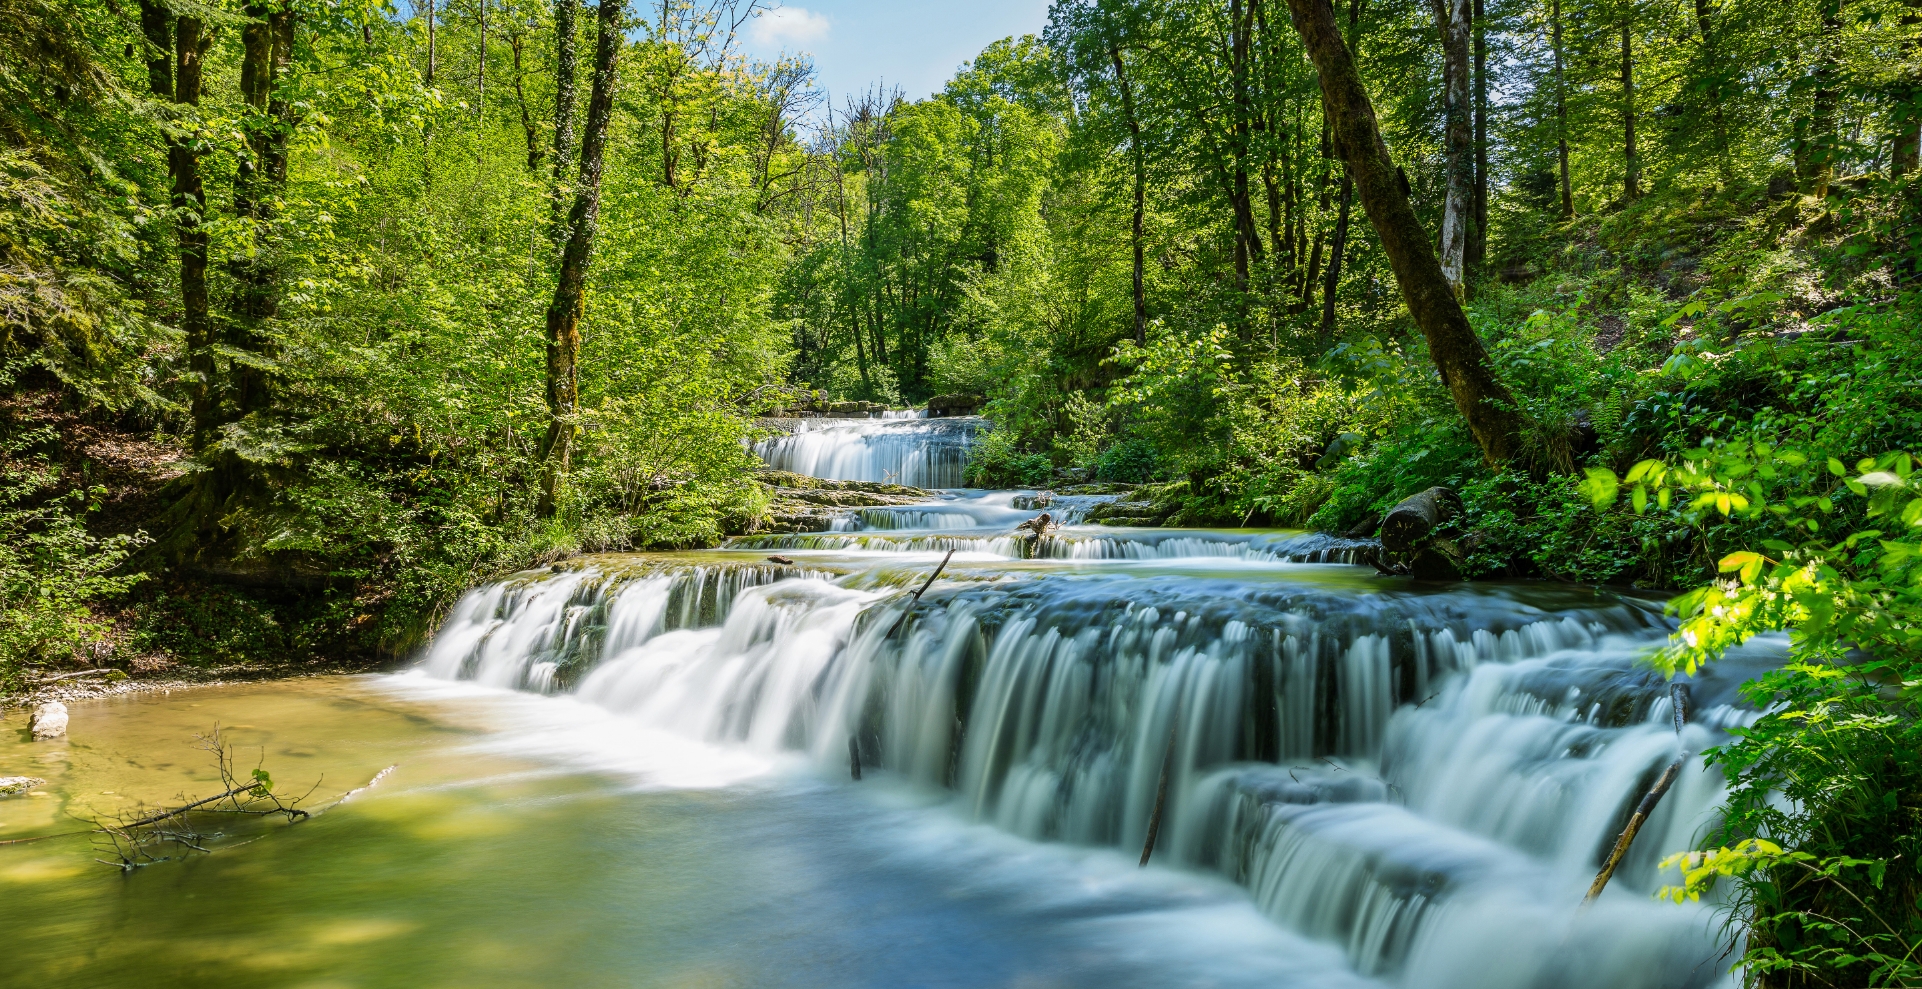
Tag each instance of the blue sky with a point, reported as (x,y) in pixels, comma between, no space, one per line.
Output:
(916,44)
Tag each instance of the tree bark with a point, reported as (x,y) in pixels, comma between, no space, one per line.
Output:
(566,12)
(570,286)
(1135,235)
(516,40)
(1632,179)
(430,42)
(1452,17)
(1458,354)
(1336,247)
(266,43)
(1561,108)
(1478,234)
(189,205)
(1247,235)
(1906,156)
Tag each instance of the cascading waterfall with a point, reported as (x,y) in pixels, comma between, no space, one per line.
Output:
(922,453)
(1423,776)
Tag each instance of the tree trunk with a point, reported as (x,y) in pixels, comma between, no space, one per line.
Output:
(1458,354)
(1336,247)
(190,204)
(570,287)
(1818,154)
(267,43)
(1135,235)
(1478,234)
(430,42)
(480,77)
(1452,17)
(1561,108)
(1907,153)
(516,40)
(565,14)
(1247,236)
(1632,180)
(1312,277)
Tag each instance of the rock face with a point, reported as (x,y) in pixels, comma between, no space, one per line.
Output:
(49,720)
(797,503)
(10,785)
(957,404)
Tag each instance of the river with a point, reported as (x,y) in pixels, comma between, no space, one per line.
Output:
(635,770)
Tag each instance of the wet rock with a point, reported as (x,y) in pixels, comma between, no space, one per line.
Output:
(49,720)
(11,785)
(958,404)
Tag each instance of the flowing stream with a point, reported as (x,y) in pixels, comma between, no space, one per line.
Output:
(1424,778)
(1370,781)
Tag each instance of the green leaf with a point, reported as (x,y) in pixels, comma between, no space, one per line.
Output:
(1600,488)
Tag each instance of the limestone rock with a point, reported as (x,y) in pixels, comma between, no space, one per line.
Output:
(49,720)
(10,785)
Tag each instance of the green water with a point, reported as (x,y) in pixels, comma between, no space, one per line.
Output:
(472,868)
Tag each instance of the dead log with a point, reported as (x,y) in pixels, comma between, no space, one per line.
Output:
(916,599)
(782,560)
(1415,518)
(1635,822)
(1161,800)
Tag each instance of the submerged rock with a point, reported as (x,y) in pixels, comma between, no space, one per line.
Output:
(11,785)
(49,720)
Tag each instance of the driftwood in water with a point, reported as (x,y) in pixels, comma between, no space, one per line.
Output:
(1161,799)
(1678,694)
(1635,822)
(916,599)
(854,757)
(1415,518)
(782,560)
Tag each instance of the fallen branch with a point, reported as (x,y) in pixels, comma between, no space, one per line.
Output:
(1161,799)
(1678,694)
(916,599)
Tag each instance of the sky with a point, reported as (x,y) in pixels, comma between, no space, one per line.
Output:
(915,44)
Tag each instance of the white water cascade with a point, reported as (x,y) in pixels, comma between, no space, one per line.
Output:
(919,452)
(1423,777)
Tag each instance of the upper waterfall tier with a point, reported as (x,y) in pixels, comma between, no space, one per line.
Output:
(922,453)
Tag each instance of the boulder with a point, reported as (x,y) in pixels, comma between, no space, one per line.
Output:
(49,720)
(10,785)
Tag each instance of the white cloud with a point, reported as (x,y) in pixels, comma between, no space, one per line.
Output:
(787,27)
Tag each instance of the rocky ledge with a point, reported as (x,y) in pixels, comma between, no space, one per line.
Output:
(798,503)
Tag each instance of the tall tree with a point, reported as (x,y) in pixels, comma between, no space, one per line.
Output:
(570,287)
(1478,239)
(267,51)
(1458,141)
(175,47)
(1561,107)
(566,13)
(1631,160)
(1136,237)
(1483,400)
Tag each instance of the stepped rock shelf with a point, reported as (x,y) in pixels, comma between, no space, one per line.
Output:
(1418,776)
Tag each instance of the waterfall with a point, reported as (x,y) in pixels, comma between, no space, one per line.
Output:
(922,453)
(1424,777)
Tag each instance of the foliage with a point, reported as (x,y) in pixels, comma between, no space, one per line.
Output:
(1820,836)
